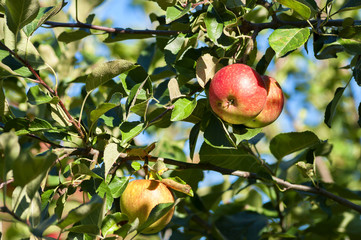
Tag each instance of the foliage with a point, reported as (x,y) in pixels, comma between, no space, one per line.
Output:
(77,124)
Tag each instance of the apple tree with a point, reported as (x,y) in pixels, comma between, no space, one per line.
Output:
(86,106)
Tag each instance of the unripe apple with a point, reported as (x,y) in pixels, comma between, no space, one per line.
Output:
(140,197)
(237,93)
(273,106)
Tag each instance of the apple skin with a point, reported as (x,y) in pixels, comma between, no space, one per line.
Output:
(140,197)
(237,93)
(273,107)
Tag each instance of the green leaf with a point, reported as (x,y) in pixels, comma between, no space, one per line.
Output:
(193,136)
(332,106)
(217,135)
(214,24)
(136,166)
(157,212)
(82,169)
(9,152)
(88,229)
(111,154)
(100,110)
(43,15)
(352,46)
(20,12)
(236,159)
(130,130)
(284,40)
(118,185)
(27,167)
(39,230)
(24,126)
(3,104)
(183,108)
(104,72)
(81,212)
(111,222)
(117,37)
(39,125)
(36,96)
(350,5)
(174,13)
(359,115)
(286,143)
(266,59)
(301,8)
(241,133)
(68,37)
(9,66)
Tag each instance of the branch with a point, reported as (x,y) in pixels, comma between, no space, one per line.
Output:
(114,30)
(245,27)
(249,175)
(50,90)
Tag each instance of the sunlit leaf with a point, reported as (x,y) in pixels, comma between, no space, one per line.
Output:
(183,107)
(174,13)
(284,40)
(104,72)
(20,12)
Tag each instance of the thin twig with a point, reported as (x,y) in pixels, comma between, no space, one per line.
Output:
(114,30)
(50,90)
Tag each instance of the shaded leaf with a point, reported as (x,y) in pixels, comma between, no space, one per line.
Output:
(81,212)
(332,106)
(36,96)
(266,59)
(217,135)
(236,159)
(193,137)
(350,5)
(286,143)
(68,37)
(89,229)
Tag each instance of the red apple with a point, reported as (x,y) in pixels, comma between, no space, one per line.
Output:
(237,93)
(273,107)
(140,197)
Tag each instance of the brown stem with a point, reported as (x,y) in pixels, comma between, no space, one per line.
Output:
(249,175)
(50,90)
(113,30)
(5,209)
(245,27)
